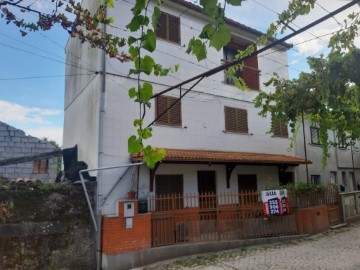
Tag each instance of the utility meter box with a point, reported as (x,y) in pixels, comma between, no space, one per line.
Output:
(128,209)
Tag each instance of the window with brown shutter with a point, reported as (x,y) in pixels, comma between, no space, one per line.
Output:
(168,27)
(40,166)
(170,117)
(281,129)
(236,120)
(250,72)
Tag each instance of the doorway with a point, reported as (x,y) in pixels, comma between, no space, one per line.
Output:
(207,189)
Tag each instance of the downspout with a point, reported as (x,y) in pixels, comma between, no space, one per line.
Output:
(305,149)
(98,236)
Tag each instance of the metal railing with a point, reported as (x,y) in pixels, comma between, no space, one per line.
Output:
(350,204)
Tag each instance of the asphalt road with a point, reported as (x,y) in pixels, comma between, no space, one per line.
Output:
(333,249)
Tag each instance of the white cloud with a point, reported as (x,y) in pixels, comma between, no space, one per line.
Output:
(13,112)
(51,132)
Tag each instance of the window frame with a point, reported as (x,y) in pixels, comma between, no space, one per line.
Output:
(250,65)
(167,30)
(169,112)
(315,178)
(40,166)
(317,134)
(237,129)
(281,128)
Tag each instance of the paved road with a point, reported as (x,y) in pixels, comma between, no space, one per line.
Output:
(334,249)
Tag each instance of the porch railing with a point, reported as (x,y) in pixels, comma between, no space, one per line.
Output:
(178,218)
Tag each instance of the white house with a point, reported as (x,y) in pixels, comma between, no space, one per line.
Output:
(214,116)
(215,141)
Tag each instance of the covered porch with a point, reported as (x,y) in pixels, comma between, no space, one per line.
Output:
(201,196)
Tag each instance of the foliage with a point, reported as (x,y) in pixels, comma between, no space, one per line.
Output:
(328,96)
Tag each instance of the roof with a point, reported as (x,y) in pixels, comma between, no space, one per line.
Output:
(198,156)
(229,21)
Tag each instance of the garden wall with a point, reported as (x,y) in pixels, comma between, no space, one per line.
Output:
(45,227)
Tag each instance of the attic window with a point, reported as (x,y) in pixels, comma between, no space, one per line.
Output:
(249,73)
(40,166)
(168,28)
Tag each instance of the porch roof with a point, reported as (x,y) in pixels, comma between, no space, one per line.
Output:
(199,156)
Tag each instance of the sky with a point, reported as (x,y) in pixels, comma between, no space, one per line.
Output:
(32,68)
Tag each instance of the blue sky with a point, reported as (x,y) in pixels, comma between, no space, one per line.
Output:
(36,105)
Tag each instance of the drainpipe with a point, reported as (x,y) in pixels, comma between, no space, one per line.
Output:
(305,149)
(100,152)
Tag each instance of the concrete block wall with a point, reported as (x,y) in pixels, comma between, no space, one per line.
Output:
(15,143)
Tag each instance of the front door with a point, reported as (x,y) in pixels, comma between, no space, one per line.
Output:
(247,182)
(207,189)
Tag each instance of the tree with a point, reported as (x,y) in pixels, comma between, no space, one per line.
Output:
(329,96)
(88,27)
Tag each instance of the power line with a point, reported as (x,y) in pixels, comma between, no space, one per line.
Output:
(43,56)
(43,77)
(328,12)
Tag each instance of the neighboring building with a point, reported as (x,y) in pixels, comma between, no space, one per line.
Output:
(15,143)
(343,164)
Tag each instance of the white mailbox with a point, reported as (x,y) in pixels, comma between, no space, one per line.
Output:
(128,209)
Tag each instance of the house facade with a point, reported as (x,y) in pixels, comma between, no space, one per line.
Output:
(343,164)
(215,142)
(15,143)
(214,121)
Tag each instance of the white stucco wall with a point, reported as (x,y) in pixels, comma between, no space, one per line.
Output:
(339,161)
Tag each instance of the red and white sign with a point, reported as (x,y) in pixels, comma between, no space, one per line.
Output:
(275,202)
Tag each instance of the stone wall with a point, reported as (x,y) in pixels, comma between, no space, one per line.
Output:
(15,143)
(46,228)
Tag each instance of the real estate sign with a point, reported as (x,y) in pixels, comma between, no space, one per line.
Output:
(275,202)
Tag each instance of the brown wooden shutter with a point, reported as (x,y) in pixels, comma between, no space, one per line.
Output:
(236,120)
(168,27)
(175,112)
(36,166)
(43,166)
(280,129)
(242,123)
(161,30)
(174,28)
(172,116)
(161,106)
(277,129)
(230,119)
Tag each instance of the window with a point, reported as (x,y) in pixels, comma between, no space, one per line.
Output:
(315,179)
(250,71)
(333,177)
(172,116)
(236,120)
(342,141)
(168,27)
(281,129)
(40,166)
(315,135)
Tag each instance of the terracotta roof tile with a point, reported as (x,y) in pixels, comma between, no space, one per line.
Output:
(178,155)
